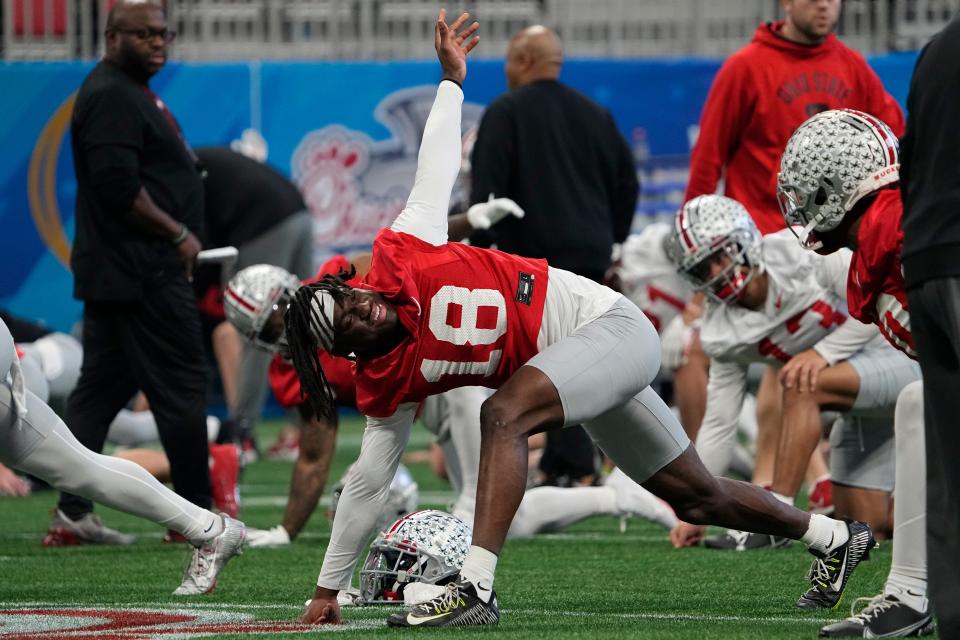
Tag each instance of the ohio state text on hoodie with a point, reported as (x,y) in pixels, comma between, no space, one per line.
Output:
(761,94)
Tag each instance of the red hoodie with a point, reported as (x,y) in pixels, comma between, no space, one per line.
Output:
(761,94)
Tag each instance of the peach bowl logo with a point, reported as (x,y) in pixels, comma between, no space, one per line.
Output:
(83,623)
(353,185)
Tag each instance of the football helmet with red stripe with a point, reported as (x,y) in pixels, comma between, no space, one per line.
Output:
(831,162)
(255,300)
(425,546)
(716,246)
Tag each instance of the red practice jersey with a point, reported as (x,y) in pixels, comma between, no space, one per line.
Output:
(473,316)
(875,288)
(761,94)
(340,372)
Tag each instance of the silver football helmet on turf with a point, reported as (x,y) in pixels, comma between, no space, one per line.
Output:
(252,297)
(710,230)
(425,546)
(402,499)
(831,162)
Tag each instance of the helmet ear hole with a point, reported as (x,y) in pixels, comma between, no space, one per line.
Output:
(820,197)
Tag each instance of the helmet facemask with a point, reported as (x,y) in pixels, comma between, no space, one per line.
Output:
(728,285)
(710,229)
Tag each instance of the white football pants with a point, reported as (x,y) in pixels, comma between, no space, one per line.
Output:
(42,445)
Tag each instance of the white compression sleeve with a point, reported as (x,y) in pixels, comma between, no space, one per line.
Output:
(910,506)
(364,495)
(120,484)
(438,165)
(718,432)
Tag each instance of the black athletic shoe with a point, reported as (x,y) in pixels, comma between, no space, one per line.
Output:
(830,572)
(883,617)
(458,606)
(734,540)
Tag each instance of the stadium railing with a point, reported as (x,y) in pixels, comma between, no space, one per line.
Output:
(399,29)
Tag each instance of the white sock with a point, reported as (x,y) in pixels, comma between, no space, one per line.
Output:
(478,569)
(213,528)
(825,534)
(787,500)
(553,508)
(909,590)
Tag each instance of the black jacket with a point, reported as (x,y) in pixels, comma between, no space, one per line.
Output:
(930,162)
(121,141)
(560,156)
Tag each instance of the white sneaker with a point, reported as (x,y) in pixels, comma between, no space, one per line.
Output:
(209,559)
(632,499)
(274,537)
(88,529)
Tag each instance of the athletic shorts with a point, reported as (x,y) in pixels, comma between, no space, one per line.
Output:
(602,373)
(884,372)
(862,452)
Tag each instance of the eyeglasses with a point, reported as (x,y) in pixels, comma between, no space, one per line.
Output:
(147,35)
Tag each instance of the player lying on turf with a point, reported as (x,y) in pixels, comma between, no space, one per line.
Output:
(433,315)
(769,301)
(839,186)
(256,298)
(34,440)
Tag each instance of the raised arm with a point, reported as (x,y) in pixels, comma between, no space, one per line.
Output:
(438,164)
(360,503)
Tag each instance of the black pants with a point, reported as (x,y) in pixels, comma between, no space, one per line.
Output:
(935,320)
(153,345)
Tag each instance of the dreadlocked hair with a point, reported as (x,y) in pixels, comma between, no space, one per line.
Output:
(303,323)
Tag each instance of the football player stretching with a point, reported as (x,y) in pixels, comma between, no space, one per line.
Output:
(839,186)
(432,315)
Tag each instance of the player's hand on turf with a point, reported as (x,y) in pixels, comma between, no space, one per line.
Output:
(323,609)
(11,484)
(803,371)
(188,250)
(687,535)
(452,48)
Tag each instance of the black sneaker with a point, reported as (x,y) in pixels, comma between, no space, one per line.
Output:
(458,606)
(830,572)
(883,617)
(734,540)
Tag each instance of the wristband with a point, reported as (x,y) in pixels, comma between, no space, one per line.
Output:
(449,79)
(181,235)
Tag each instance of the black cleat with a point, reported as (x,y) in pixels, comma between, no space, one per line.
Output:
(830,572)
(883,617)
(734,540)
(458,606)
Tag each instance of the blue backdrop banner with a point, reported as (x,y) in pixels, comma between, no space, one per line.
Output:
(347,133)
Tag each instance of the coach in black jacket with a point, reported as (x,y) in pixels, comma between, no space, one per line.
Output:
(930,182)
(560,156)
(139,212)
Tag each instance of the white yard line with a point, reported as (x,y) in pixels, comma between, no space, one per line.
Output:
(382,611)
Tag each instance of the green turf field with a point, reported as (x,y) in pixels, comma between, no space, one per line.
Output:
(590,581)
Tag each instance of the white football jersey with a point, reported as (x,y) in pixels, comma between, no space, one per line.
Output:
(803,305)
(806,303)
(650,278)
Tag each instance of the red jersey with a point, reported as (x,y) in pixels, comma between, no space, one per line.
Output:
(339,372)
(761,94)
(473,316)
(875,288)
